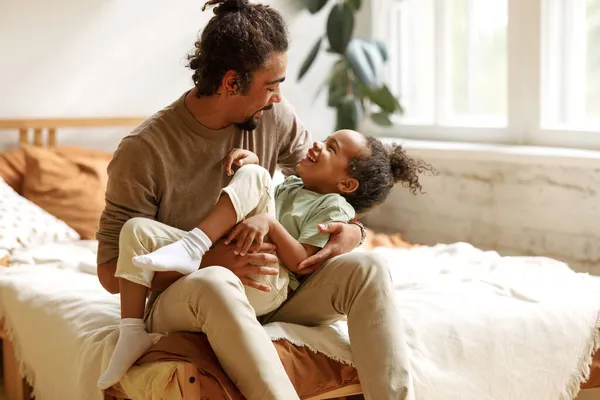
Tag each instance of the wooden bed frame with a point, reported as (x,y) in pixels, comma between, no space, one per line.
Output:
(48,127)
(42,132)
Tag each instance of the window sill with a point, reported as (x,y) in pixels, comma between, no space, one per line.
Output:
(554,141)
(499,153)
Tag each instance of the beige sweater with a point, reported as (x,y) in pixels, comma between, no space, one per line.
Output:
(169,169)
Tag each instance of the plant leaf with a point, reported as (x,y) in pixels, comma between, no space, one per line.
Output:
(384,98)
(340,26)
(320,88)
(381,119)
(337,84)
(310,58)
(327,80)
(314,6)
(399,108)
(366,61)
(349,113)
(382,49)
(356,4)
(360,90)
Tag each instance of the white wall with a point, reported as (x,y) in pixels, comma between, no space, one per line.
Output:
(112,57)
(516,201)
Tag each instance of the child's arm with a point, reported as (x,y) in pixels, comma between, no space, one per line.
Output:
(238,157)
(289,250)
(249,235)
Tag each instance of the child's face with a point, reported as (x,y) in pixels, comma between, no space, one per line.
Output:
(324,169)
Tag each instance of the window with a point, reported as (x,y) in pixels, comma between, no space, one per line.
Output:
(508,71)
(571,52)
(453,66)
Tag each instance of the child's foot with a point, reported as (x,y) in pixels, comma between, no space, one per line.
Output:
(133,342)
(183,256)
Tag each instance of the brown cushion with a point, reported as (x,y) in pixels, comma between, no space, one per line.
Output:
(311,373)
(396,240)
(69,183)
(12,168)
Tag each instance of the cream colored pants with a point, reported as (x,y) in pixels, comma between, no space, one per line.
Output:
(251,192)
(357,285)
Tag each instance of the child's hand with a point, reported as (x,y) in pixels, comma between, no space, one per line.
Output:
(248,232)
(239,157)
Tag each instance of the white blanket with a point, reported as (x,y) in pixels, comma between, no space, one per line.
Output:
(61,321)
(479,326)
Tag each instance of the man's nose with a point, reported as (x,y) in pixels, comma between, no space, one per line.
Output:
(276,97)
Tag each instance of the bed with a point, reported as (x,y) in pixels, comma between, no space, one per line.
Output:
(181,377)
(182,365)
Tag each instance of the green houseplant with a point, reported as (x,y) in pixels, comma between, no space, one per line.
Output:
(355,84)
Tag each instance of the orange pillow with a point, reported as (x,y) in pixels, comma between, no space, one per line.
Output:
(395,240)
(12,168)
(69,183)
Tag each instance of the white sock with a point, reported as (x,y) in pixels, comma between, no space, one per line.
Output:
(183,256)
(133,342)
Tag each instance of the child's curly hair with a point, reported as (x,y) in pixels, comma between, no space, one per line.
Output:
(378,169)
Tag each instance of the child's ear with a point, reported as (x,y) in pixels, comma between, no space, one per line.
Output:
(348,185)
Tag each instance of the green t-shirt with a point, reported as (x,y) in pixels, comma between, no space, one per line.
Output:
(300,211)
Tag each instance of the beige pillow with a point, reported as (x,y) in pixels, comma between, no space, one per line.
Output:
(12,168)
(23,224)
(69,183)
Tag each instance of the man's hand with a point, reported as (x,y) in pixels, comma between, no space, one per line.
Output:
(250,233)
(239,157)
(344,238)
(243,266)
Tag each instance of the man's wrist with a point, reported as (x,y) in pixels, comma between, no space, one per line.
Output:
(272,221)
(363,231)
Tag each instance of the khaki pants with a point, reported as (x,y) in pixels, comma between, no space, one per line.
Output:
(251,192)
(357,285)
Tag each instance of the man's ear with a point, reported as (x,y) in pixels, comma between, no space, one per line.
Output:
(348,185)
(230,82)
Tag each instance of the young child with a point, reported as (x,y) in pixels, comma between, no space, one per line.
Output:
(347,174)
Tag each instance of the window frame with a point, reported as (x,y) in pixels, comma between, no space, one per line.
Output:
(524,124)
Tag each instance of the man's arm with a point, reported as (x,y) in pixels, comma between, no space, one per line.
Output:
(344,237)
(132,190)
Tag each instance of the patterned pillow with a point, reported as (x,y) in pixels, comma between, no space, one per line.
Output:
(23,224)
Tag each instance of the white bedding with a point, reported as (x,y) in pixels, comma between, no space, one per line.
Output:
(479,326)
(62,322)
(483,327)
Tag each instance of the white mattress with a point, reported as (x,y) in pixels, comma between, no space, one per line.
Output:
(59,318)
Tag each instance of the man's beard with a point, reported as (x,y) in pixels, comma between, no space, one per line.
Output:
(252,123)
(248,125)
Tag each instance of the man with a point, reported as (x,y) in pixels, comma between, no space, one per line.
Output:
(170,170)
